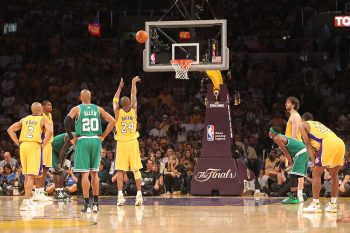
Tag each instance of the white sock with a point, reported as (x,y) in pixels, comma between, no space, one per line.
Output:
(300,194)
(316,200)
(257,190)
(39,190)
(139,193)
(333,200)
(120,193)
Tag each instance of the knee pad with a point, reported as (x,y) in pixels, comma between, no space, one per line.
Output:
(137,175)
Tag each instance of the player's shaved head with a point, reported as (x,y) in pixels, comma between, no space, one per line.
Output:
(37,108)
(125,103)
(85,96)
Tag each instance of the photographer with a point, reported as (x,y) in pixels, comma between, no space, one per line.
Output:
(7,179)
(71,181)
(281,186)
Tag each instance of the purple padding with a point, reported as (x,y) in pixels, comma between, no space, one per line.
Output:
(192,201)
(41,163)
(318,160)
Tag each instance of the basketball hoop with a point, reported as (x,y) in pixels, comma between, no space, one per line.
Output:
(181,67)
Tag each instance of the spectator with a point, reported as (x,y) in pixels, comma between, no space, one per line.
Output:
(105,166)
(150,182)
(8,161)
(157,131)
(344,188)
(159,177)
(172,176)
(269,170)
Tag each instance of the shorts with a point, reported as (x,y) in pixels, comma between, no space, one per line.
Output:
(31,158)
(47,155)
(300,164)
(128,156)
(87,154)
(331,153)
(55,158)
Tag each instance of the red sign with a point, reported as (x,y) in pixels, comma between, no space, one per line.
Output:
(94,29)
(342,21)
(185,35)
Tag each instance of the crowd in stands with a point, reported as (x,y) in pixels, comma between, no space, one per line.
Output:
(51,57)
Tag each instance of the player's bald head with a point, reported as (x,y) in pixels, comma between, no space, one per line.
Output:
(37,108)
(125,103)
(85,96)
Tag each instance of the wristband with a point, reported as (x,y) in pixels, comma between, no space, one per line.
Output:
(115,100)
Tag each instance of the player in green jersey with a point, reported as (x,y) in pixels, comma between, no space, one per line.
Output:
(60,147)
(87,141)
(295,151)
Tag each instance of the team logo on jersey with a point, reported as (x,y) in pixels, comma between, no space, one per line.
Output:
(210,133)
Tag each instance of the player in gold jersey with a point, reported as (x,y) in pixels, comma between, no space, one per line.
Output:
(293,131)
(31,145)
(39,194)
(127,152)
(330,156)
(294,120)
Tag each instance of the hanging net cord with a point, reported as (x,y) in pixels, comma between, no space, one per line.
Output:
(181,67)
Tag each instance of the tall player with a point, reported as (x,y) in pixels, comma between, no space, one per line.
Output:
(39,194)
(330,156)
(295,150)
(293,131)
(294,120)
(128,152)
(31,145)
(87,141)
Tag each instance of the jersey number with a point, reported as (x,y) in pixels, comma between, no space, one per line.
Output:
(125,126)
(30,132)
(322,128)
(90,124)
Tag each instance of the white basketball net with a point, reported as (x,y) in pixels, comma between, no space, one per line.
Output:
(181,67)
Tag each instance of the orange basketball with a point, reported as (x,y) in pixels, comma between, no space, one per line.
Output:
(141,36)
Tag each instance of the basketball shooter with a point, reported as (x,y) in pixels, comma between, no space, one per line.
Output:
(330,156)
(128,152)
(39,194)
(293,131)
(294,150)
(31,145)
(87,141)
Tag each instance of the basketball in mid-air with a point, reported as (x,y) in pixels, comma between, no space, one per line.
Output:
(141,36)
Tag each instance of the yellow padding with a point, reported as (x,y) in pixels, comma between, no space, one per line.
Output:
(216,78)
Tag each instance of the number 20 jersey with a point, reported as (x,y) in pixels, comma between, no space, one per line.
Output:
(31,129)
(89,121)
(126,126)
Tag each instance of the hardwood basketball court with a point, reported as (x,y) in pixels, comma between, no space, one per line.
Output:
(178,214)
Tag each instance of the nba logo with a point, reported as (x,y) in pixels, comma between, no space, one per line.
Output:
(210,133)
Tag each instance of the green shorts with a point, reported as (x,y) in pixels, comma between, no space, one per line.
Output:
(87,155)
(55,158)
(300,165)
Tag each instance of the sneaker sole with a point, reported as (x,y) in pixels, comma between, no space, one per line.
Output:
(331,211)
(312,212)
(87,212)
(139,204)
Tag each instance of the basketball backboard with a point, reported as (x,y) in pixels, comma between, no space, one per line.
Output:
(203,41)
